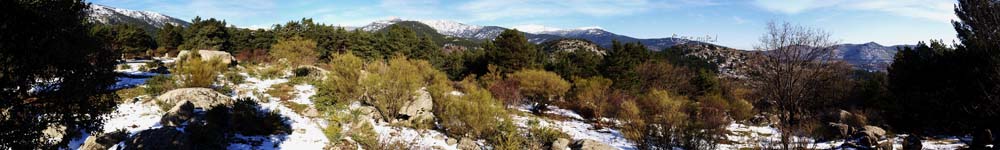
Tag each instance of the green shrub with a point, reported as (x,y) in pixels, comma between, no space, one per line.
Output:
(159,84)
(506,136)
(391,85)
(470,115)
(365,135)
(545,135)
(341,85)
(129,94)
(234,77)
(590,96)
(540,86)
(301,72)
(248,119)
(192,71)
(283,92)
(296,50)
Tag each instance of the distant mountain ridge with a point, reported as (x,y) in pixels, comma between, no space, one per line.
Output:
(869,56)
(150,21)
(475,32)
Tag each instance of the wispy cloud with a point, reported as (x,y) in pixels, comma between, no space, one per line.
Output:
(935,10)
(739,20)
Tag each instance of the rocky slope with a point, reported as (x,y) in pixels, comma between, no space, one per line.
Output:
(146,19)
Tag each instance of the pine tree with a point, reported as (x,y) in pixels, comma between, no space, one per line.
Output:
(208,34)
(169,36)
(511,51)
(46,45)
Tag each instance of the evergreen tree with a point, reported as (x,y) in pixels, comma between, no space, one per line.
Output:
(575,64)
(396,39)
(54,73)
(169,36)
(208,34)
(428,50)
(511,51)
(620,62)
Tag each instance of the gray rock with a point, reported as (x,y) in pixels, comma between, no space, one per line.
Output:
(418,109)
(913,142)
(166,138)
(201,97)
(451,141)
(311,112)
(869,136)
(103,141)
(225,57)
(560,144)
(588,144)
(468,144)
(369,113)
(840,130)
(182,112)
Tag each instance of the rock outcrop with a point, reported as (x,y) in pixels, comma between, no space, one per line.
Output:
(560,144)
(420,109)
(588,144)
(166,138)
(201,97)
(225,57)
(468,144)
(182,112)
(103,141)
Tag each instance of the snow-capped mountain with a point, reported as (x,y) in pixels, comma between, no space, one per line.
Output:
(535,33)
(147,19)
(869,56)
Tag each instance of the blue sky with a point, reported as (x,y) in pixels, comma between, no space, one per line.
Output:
(735,23)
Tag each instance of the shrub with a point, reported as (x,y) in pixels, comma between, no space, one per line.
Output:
(506,136)
(234,77)
(341,85)
(633,126)
(253,56)
(248,119)
(283,92)
(545,135)
(540,86)
(391,85)
(159,84)
(129,94)
(300,72)
(507,91)
(296,50)
(590,95)
(472,114)
(365,135)
(192,71)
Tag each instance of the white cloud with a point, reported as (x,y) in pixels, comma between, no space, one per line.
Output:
(936,10)
(739,20)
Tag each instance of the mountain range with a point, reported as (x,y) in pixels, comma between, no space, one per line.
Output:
(868,56)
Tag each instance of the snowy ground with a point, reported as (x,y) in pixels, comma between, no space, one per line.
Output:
(307,133)
(575,127)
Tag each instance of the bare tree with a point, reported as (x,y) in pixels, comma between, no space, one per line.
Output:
(792,66)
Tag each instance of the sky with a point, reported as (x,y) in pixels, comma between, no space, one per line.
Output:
(733,23)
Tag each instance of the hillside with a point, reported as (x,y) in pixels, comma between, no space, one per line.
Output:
(150,21)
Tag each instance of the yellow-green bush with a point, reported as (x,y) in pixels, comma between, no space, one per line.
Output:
(192,71)
(472,114)
(341,85)
(296,50)
(391,85)
(590,95)
(540,86)
(545,136)
(506,136)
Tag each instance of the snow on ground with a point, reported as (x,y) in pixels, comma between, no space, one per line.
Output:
(303,92)
(131,116)
(416,139)
(575,127)
(757,137)
(306,132)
